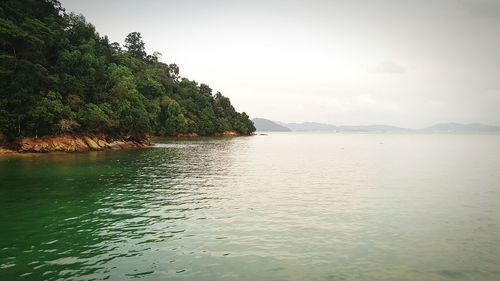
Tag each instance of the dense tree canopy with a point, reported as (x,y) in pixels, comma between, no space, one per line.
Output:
(58,75)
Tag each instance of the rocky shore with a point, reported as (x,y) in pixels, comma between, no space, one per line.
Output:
(187,135)
(227,134)
(86,142)
(194,134)
(74,143)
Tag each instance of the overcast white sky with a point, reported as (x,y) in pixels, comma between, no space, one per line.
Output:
(404,63)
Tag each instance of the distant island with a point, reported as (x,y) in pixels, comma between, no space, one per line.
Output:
(61,80)
(264,125)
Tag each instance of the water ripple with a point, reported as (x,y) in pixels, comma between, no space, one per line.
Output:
(279,207)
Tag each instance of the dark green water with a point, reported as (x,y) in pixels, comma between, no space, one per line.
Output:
(277,207)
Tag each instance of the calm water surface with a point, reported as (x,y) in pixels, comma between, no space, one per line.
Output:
(277,207)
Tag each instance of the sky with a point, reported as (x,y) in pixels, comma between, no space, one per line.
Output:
(403,63)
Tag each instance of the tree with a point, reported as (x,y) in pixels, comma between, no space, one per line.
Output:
(205,89)
(173,71)
(95,118)
(45,117)
(135,46)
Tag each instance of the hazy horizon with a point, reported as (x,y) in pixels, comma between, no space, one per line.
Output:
(370,124)
(401,63)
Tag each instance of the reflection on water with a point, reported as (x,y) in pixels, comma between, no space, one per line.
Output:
(277,207)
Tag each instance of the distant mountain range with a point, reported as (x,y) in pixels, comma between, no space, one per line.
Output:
(266,125)
(461,128)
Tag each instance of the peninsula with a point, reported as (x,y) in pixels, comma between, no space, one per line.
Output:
(64,87)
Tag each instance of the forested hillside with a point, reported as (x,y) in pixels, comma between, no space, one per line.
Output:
(58,75)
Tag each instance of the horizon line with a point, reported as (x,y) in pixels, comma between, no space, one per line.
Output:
(381,124)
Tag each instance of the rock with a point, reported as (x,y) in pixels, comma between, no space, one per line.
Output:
(227,134)
(25,147)
(102,143)
(230,134)
(37,148)
(6,151)
(70,143)
(127,145)
(116,145)
(57,147)
(91,143)
(143,144)
(79,145)
(187,135)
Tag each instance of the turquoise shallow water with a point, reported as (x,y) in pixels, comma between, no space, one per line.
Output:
(277,207)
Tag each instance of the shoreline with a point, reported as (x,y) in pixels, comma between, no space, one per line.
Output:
(196,135)
(80,143)
(73,144)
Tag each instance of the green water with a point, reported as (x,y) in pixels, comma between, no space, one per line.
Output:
(276,207)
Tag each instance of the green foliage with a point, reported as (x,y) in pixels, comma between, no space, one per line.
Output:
(135,45)
(45,117)
(95,118)
(58,75)
(174,120)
